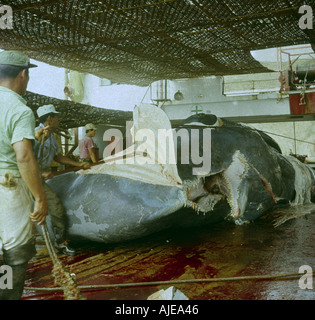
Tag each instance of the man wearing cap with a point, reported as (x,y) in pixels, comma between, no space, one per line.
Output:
(19,174)
(45,154)
(87,145)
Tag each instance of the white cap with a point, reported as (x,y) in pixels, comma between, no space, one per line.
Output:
(90,126)
(48,108)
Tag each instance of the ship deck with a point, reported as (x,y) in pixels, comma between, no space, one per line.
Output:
(214,252)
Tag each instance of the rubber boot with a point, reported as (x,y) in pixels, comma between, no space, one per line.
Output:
(17,258)
(18,278)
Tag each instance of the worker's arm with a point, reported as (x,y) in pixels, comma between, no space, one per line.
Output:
(30,174)
(65,160)
(92,155)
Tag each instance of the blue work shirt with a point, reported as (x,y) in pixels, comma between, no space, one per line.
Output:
(51,149)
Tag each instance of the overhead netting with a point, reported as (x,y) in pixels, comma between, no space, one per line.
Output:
(77,114)
(141,41)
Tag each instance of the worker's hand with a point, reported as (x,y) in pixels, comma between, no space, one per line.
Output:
(44,131)
(40,212)
(47,175)
(85,165)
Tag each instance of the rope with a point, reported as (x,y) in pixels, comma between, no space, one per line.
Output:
(40,148)
(288,276)
(245,128)
(60,273)
(279,135)
(49,245)
(8,180)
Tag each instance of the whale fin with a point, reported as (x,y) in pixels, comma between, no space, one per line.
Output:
(151,158)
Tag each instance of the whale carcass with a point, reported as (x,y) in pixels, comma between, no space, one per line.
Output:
(211,169)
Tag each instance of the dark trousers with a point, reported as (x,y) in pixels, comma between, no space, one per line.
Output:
(56,220)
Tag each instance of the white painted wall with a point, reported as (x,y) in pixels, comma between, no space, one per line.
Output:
(115,96)
(207,95)
(47,80)
(50,81)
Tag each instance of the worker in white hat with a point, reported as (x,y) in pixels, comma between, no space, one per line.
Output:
(45,155)
(19,174)
(87,145)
